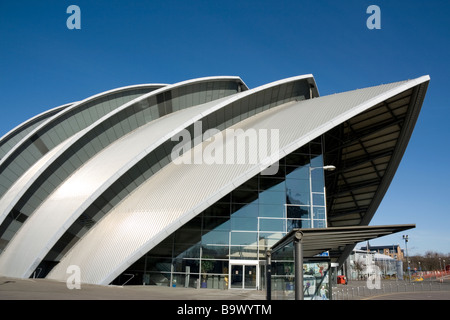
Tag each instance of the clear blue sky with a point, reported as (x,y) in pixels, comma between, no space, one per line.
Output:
(43,64)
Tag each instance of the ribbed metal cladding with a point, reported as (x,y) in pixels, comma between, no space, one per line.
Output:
(59,128)
(185,95)
(177,193)
(88,182)
(12,138)
(79,190)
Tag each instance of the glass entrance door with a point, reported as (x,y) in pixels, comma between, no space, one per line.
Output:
(244,275)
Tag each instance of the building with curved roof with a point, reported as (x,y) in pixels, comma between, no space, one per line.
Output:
(163,184)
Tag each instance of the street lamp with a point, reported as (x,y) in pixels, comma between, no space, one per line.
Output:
(445,271)
(325,168)
(405,237)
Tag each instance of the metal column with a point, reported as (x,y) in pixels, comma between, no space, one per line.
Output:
(269,274)
(298,264)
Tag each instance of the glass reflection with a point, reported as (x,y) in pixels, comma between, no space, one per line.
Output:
(298,212)
(241,225)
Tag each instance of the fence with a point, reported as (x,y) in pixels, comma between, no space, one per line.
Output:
(361,290)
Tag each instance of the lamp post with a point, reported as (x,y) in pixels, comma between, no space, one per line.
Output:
(405,237)
(325,168)
(445,271)
(440,265)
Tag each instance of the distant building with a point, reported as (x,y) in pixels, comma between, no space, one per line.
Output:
(393,250)
(357,263)
(360,261)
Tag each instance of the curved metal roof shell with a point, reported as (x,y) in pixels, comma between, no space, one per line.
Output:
(167,200)
(61,126)
(12,138)
(93,178)
(36,184)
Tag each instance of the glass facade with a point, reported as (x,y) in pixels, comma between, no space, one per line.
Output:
(316,276)
(225,246)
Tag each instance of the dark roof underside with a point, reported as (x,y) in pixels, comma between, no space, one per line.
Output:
(335,240)
(366,151)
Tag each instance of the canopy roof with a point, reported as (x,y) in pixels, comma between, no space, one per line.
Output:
(318,240)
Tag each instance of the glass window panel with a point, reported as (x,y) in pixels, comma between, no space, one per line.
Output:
(303,149)
(298,223)
(179,265)
(215,252)
(163,249)
(219,209)
(299,173)
(245,210)
(239,196)
(317,180)
(188,236)
(319,212)
(297,160)
(216,223)
(297,191)
(158,264)
(183,250)
(268,239)
(226,198)
(218,267)
(244,238)
(215,237)
(316,148)
(247,224)
(156,279)
(268,197)
(272,225)
(297,185)
(271,210)
(286,253)
(316,161)
(318,199)
(298,212)
(243,252)
(319,224)
(272,184)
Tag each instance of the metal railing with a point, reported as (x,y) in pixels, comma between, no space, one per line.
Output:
(357,292)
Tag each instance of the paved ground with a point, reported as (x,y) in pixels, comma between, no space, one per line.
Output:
(31,289)
(42,289)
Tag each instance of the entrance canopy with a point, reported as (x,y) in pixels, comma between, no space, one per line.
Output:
(309,243)
(318,240)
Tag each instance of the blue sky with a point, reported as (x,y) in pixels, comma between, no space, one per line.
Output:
(43,64)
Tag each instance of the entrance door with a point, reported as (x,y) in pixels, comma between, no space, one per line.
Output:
(244,274)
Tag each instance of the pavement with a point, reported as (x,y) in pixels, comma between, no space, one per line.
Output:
(44,289)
